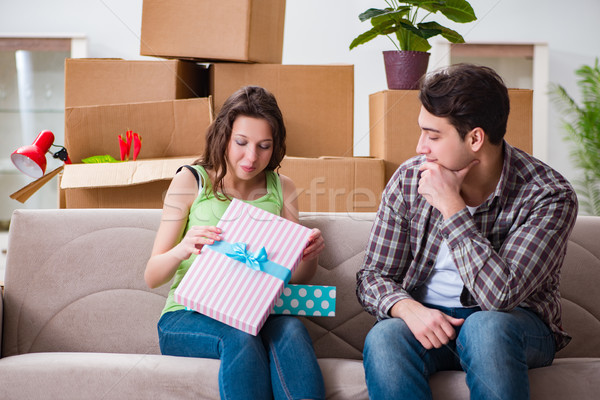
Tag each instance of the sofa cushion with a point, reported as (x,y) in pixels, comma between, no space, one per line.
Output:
(74,282)
(107,376)
(346,235)
(142,376)
(580,289)
(564,379)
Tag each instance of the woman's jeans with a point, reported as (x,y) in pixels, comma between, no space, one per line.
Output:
(279,362)
(494,348)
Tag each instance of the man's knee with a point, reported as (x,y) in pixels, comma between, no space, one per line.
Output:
(489,327)
(487,336)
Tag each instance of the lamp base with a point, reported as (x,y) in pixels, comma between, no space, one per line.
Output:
(26,192)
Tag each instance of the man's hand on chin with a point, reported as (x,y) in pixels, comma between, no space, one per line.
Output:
(441,187)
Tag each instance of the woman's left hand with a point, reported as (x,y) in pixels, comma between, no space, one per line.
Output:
(315,246)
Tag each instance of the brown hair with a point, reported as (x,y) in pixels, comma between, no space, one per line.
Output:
(249,101)
(470,96)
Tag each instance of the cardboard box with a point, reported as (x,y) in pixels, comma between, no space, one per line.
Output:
(100,81)
(351,184)
(317,102)
(394,130)
(343,184)
(230,280)
(171,128)
(230,30)
(131,184)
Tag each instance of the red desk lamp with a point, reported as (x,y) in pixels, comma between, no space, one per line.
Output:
(31,160)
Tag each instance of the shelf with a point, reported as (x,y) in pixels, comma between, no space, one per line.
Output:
(492,50)
(35,44)
(32,111)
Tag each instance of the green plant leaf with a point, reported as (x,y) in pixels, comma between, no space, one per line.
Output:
(394,16)
(406,24)
(371,13)
(385,27)
(581,124)
(451,35)
(588,193)
(106,158)
(455,10)
(364,37)
(429,29)
(410,41)
(431,6)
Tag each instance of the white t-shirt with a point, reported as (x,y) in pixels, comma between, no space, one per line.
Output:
(444,285)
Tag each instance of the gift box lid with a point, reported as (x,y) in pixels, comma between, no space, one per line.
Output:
(230,291)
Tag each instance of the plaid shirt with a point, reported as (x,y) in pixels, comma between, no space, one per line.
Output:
(508,254)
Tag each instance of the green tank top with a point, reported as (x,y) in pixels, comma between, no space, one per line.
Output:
(207,210)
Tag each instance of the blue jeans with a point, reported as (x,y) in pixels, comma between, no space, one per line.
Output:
(279,362)
(494,348)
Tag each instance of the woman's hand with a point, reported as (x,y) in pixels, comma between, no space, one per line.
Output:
(195,238)
(315,246)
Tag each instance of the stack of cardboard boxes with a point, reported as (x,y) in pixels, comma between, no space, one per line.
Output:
(106,97)
(205,51)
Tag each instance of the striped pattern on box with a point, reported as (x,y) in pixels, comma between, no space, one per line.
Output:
(227,290)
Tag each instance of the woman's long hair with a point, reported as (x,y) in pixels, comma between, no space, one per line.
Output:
(249,101)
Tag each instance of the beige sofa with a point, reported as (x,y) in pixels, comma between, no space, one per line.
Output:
(79,322)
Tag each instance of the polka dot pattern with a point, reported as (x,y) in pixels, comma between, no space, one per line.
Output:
(307,300)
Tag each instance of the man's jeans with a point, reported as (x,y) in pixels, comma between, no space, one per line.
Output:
(279,362)
(494,348)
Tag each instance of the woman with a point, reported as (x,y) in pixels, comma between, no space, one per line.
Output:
(244,146)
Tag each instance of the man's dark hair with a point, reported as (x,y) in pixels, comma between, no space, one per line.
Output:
(470,96)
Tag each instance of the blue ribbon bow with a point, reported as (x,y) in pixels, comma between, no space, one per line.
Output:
(252,260)
(257,261)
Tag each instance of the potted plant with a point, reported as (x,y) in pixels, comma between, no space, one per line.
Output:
(582,128)
(406,24)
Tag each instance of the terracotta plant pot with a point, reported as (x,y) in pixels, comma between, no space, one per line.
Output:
(403,69)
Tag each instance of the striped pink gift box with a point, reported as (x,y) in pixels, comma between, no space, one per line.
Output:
(227,290)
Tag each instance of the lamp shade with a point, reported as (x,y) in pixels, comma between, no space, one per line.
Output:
(31,159)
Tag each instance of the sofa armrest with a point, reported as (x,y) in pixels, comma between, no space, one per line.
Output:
(1,313)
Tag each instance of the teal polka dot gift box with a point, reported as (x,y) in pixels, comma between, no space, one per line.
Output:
(306,300)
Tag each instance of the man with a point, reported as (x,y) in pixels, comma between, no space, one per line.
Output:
(463,262)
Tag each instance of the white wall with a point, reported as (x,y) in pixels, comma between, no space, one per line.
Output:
(319,32)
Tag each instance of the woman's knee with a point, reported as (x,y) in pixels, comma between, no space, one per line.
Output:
(238,336)
(236,341)
(285,324)
(282,332)
(284,327)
